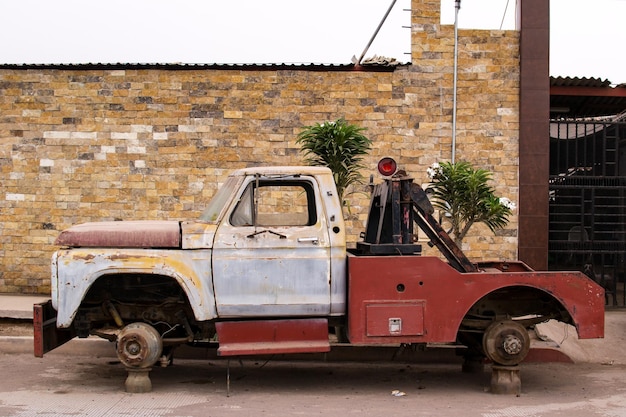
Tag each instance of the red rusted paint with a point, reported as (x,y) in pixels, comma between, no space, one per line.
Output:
(46,336)
(447,295)
(260,337)
(83,257)
(38,337)
(127,234)
(394,318)
(505,266)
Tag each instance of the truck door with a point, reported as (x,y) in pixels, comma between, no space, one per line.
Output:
(271,254)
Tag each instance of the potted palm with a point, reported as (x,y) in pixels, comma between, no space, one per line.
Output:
(463,194)
(339,146)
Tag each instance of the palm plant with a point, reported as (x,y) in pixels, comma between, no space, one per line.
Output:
(464,195)
(339,146)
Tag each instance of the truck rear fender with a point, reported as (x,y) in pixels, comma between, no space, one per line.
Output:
(445,301)
(77,271)
(534,303)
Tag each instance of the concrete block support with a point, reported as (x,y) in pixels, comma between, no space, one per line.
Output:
(506,380)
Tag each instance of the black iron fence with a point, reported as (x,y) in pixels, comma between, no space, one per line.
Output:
(587,229)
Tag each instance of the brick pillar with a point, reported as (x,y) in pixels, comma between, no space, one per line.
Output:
(534,158)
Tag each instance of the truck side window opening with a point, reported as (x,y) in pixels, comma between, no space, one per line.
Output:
(279,203)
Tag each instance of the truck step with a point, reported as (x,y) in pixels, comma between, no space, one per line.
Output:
(262,337)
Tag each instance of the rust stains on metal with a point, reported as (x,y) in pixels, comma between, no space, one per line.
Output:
(263,337)
(86,257)
(124,257)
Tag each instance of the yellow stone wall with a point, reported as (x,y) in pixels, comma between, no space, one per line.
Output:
(84,144)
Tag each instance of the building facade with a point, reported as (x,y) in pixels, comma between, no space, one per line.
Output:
(85,143)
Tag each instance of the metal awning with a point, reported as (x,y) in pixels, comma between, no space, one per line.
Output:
(585,97)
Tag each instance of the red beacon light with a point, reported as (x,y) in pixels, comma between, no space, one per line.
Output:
(387,167)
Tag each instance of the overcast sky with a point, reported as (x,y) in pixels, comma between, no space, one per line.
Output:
(587,37)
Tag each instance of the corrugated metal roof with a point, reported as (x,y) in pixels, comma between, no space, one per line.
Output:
(578,82)
(377,66)
(574,97)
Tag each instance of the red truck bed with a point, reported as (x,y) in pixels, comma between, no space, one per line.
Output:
(421,299)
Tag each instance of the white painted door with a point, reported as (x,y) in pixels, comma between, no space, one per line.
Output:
(271,254)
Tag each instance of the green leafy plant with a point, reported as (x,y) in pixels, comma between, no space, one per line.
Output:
(339,146)
(464,195)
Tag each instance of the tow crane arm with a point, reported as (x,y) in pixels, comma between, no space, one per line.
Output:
(395,205)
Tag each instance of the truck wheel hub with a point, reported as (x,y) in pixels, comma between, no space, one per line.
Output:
(139,345)
(133,348)
(512,345)
(506,342)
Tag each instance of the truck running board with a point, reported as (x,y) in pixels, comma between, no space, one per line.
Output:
(263,337)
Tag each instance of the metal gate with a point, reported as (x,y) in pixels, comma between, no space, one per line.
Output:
(587,223)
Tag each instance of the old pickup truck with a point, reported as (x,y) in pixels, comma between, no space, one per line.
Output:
(265,270)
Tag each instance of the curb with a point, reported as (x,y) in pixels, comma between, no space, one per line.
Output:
(84,347)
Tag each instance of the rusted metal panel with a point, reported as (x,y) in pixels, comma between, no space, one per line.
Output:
(338,279)
(275,270)
(127,234)
(272,281)
(395,319)
(46,336)
(78,269)
(504,266)
(450,294)
(268,171)
(260,337)
(197,235)
(333,218)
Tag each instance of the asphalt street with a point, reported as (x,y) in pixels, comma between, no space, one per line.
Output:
(84,377)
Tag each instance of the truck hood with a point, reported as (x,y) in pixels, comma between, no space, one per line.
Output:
(124,234)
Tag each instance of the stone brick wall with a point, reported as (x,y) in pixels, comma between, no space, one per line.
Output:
(91,143)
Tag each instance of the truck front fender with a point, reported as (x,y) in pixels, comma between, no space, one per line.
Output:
(78,269)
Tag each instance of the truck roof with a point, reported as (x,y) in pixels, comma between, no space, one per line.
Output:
(282,170)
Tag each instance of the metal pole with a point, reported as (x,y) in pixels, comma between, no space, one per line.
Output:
(228,378)
(358,62)
(457,7)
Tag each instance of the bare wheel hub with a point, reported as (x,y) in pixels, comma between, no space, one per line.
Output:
(139,345)
(512,345)
(506,342)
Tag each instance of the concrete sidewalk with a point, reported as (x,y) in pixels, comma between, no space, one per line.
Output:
(18,306)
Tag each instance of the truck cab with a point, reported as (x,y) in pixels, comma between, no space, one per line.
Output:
(279,247)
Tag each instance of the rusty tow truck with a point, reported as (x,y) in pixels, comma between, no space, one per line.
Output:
(265,270)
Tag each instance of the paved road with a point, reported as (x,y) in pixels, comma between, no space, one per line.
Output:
(84,378)
(66,385)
